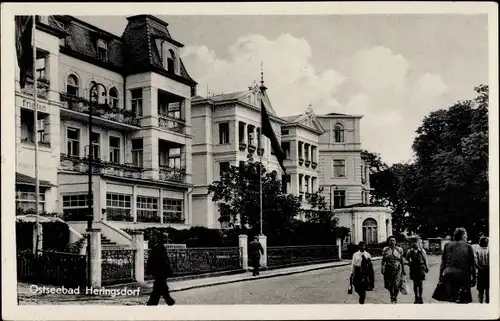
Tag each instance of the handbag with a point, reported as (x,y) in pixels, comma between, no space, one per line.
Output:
(404,287)
(349,289)
(440,293)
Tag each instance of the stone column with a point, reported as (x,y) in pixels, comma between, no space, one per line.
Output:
(138,246)
(150,154)
(95,257)
(83,249)
(36,229)
(243,244)
(339,248)
(263,258)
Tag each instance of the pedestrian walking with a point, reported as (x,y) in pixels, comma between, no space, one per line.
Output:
(393,268)
(482,262)
(417,262)
(362,275)
(158,266)
(255,250)
(457,271)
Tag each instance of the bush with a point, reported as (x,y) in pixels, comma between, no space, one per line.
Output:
(55,236)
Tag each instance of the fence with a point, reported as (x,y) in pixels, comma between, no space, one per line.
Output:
(192,261)
(54,268)
(278,256)
(117,265)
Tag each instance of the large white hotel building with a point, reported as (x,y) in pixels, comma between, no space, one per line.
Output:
(156,144)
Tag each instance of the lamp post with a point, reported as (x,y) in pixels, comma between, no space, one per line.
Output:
(90,214)
(333,185)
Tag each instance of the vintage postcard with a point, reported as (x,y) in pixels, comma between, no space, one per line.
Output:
(250,161)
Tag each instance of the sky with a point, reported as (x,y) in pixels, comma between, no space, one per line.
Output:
(392,69)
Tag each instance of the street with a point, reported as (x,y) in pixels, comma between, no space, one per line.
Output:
(324,286)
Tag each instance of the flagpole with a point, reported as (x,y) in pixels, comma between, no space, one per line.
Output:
(37,182)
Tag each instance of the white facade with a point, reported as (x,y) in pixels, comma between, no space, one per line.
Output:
(141,133)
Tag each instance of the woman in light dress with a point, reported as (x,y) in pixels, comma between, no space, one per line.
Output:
(393,268)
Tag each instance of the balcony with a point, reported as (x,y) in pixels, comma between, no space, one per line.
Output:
(80,165)
(106,115)
(242,146)
(314,165)
(260,151)
(172,174)
(30,141)
(43,85)
(307,163)
(301,161)
(251,148)
(172,124)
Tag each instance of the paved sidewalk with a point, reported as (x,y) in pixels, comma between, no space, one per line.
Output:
(26,296)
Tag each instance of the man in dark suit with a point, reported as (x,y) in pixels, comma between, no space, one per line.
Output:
(158,266)
(255,250)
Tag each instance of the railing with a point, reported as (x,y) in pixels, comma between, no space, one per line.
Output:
(54,268)
(77,164)
(314,165)
(242,146)
(42,88)
(301,161)
(172,174)
(105,111)
(172,124)
(31,141)
(294,255)
(117,266)
(192,261)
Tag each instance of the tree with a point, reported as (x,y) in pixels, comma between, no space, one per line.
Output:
(237,196)
(449,185)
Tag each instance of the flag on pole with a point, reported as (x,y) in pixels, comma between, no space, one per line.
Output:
(24,34)
(267,130)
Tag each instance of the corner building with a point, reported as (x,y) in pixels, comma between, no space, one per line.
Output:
(141,135)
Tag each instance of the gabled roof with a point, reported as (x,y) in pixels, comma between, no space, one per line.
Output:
(244,97)
(134,52)
(307,120)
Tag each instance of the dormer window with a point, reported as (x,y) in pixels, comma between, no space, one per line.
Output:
(171,61)
(102,50)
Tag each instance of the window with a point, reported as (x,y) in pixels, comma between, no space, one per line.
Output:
(147,209)
(250,129)
(174,110)
(171,61)
(114,149)
(339,133)
(313,153)
(241,132)
(300,183)
(40,68)
(113,97)
(339,168)
(285,132)
(95,138)
(223,167)
(300,150)
(75,207)
(27,126)
(72,85)
(363,197)
(136,101)
(102,50)
(258,138)
(307,184)
(73,141)
(338,198)
(137,152)
(285,146)
(362,174)
(174,157)
(224,133)
(173,211)
(306,152)
(370,231)
(118,207)
(25,200)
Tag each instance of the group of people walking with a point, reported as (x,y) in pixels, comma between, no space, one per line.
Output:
(460,262)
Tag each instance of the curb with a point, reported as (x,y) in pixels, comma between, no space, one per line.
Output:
(248,278)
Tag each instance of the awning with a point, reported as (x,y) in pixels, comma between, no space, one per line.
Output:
(22,179)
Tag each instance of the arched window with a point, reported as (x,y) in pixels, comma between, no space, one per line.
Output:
(113,97)
(370,231)
(338,130)
(102,50)
(72,85)
(171,61)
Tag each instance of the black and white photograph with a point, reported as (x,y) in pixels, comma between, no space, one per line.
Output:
(250,161)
